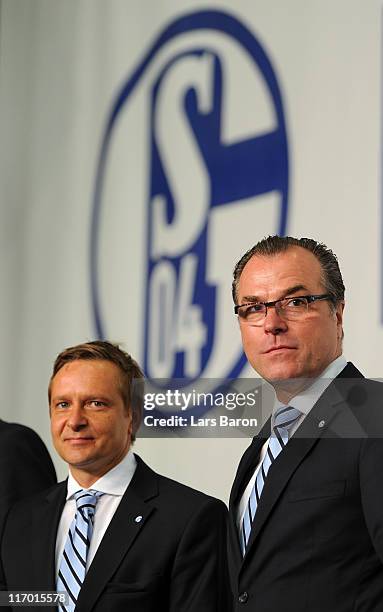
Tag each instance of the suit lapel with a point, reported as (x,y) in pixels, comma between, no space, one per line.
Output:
(317,422)
(129,519)
(47,519)
(244,473)
(248,464)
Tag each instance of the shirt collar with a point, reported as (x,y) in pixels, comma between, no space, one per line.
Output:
(305,400)
(114,482)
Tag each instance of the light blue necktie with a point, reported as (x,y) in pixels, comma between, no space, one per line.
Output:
(73,563)
(284,421)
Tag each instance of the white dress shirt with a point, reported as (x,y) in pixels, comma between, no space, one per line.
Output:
(304,402)
(113,484)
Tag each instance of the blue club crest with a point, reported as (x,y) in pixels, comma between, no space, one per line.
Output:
(215,181)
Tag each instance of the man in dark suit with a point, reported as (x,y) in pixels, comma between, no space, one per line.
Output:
(116,536)
(25,465)
(306,508)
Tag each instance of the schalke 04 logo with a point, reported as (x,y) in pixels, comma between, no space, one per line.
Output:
(193,170)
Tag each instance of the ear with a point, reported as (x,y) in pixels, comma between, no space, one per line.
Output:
(339,317)
(130,421)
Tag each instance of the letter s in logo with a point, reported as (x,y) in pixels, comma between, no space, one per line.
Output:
(207,179)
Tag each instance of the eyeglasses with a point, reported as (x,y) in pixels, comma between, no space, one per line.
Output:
(291,308)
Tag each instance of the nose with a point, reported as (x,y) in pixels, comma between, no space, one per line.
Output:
(77,419)
(274,323)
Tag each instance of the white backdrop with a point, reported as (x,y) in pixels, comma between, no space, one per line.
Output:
(61,67)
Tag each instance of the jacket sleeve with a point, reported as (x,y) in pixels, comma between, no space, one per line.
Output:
(199,581)
(25,466)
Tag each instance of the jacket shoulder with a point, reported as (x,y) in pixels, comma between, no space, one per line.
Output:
(175,492)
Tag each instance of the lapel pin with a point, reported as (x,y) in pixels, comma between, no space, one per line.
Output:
(138,518)
(321,424)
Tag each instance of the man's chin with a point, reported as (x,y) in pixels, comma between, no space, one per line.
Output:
(287,388)
(287,378)
(283,374)
(78,457)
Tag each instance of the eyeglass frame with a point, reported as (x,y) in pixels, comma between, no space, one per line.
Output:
(310,299)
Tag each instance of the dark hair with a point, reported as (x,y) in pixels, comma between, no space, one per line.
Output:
(272,245)
(107,351)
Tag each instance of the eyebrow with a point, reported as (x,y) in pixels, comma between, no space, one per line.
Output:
(60,398)
(85,398)
(287,292)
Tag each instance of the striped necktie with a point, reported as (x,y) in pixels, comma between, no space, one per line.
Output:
(73,563)
(285,419)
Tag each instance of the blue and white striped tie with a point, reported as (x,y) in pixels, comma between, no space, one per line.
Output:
(285,419)
(73,563)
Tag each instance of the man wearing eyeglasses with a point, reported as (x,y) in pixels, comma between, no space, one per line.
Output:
(306,529)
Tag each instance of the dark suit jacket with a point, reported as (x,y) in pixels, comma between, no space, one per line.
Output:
(25,465)
(173,560)
(317,538)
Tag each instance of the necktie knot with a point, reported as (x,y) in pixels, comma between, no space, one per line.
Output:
(86,500)
(285,419)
